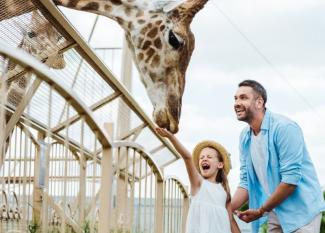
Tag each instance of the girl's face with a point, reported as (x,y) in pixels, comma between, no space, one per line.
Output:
(209,163)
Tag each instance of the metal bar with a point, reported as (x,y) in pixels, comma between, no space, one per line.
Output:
(93,108)
(62,213)
(105,210)
(159,206)
(83,173)
(158,148)
(126,182)
(80,64)
(65,168)
(46,75)
(145,198)
(26,70)
(151,196)
(21,107)
(47,161)
(132,189)
(133,131)
(139,201)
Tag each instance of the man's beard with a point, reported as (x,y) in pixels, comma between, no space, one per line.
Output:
(248,116)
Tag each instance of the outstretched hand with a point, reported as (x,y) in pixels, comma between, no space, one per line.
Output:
(249,215)
(163,132)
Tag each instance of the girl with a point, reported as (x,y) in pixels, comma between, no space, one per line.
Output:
(210,209)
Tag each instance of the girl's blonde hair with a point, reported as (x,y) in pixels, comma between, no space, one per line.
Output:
(222,176)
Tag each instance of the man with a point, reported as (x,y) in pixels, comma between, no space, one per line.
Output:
(277,176)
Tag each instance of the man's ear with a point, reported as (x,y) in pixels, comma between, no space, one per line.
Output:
(260,102)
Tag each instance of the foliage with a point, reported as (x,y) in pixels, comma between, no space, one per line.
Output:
(322,226)
(33,227)
(263,228)
(244,207)
(86,227)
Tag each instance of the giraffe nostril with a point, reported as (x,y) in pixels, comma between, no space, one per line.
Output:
(31,34)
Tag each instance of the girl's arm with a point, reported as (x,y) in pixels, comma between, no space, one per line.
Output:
(193,174)
(233,223)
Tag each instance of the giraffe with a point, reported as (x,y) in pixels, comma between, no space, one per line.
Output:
(161,43)
(40,40)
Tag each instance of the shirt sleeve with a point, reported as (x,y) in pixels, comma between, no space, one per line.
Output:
(243,169)
(290,146)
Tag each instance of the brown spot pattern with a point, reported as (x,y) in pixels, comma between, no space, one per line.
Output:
(162,27)
(72,3)
(107,7)
(146,45)
(116,2)
(139,13)
(128,10)
(130,26)
(157,43)
(144,30)
(140,56)
(150,52)
(155,61)
(120,20)
(92,6)
(153,32)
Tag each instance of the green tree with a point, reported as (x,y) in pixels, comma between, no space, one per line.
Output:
(322,226)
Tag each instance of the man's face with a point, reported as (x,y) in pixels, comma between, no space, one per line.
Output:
(247,104)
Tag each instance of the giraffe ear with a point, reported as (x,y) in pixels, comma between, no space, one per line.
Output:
(186,11)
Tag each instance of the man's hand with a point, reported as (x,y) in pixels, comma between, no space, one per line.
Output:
(250,214)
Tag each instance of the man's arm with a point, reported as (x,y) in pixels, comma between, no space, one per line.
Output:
(278,196)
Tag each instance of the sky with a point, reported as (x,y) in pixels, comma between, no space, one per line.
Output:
(279,43)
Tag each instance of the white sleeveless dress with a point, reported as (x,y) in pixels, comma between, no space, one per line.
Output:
(208,213)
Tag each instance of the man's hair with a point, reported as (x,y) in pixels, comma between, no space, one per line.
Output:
(256,86)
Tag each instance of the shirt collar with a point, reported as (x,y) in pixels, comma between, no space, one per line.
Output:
(266,120)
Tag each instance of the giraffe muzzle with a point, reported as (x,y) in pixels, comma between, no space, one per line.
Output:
(165,119)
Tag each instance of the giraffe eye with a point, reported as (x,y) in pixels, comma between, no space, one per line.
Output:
(174,41)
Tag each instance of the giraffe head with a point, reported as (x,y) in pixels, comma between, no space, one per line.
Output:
(43,41)
(162,44)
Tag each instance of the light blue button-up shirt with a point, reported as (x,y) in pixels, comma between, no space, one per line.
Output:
(287,161)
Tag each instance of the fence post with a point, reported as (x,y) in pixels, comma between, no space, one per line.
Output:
(159,215)
(186,204)
(105,195)
(37,191)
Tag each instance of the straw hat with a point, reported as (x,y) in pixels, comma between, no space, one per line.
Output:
(199,147)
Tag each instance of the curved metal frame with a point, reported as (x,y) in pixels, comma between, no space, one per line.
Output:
(44,73)
(179,184)
(141,150)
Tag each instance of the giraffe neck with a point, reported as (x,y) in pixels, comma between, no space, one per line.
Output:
(122,11)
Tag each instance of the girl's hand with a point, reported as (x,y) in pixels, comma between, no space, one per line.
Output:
(163,132)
